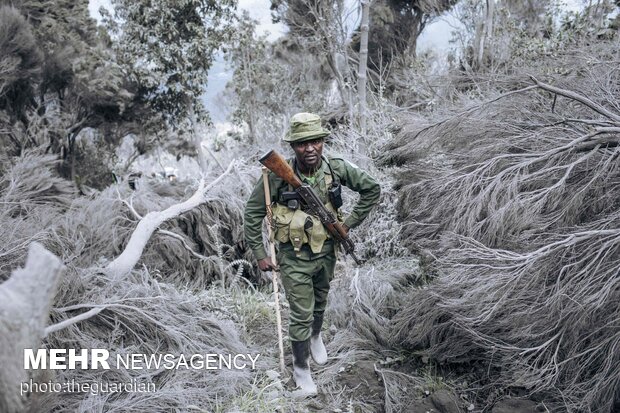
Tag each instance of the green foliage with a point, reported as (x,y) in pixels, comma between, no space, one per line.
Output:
(167,47)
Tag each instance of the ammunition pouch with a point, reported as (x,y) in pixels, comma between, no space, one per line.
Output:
(299,228)
(292,224)
(335,195)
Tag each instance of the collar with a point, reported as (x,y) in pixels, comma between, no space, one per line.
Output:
(323,168)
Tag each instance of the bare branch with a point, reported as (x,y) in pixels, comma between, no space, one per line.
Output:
(66,323)
(151,221)
(579,98)
(183,242)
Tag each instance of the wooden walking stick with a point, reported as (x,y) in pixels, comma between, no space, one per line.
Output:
(274,272)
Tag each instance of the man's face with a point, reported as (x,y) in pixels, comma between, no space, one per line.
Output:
(308,154)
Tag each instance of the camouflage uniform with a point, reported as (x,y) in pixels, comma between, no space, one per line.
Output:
(306,274)
(307,266)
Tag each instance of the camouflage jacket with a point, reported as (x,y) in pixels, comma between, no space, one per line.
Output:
(347,174)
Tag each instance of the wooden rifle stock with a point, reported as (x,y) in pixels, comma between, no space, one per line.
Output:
(278,165)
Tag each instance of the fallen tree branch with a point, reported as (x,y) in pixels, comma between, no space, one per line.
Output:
(579,98)
(166,232)
(66,323)
(522,210)
(184,243)
(474,108)
(125,262)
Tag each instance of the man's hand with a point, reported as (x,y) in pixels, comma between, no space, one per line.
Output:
(266,264)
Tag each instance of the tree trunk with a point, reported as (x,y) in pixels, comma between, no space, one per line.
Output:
(486,32)
(197,142)
(327,31)
(25,301)
(361,74)
(332,61)
(247,64)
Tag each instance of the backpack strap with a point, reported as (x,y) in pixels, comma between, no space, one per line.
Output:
(333,178)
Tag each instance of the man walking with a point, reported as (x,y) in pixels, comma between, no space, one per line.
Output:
(306,252)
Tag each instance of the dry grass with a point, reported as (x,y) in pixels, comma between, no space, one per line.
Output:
(361,303)
(213,232)
(379,236)
(32,199)
(142,315)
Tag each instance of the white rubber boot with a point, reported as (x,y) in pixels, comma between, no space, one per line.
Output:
(318,350)
(301,369)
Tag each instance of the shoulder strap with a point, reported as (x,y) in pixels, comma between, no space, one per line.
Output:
(334,177)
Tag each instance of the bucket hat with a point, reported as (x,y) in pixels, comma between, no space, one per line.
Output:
(304,127)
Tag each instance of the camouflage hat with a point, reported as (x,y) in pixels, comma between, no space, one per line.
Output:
(305,127)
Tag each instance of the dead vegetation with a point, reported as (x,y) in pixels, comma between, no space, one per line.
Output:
(144,311)
(195,249)
(518,196)
(515,192)
(142,315)
(24,311)
(185,295)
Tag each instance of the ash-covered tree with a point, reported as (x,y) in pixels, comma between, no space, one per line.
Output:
(247,54)
(167,47)
(497,36)
(271,81)
(489,27)
(321,26)
(20,66)
(67,79)
(396,25)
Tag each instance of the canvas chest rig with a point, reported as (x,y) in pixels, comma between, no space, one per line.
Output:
(299,228)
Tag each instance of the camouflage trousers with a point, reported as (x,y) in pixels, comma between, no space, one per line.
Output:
(306,284)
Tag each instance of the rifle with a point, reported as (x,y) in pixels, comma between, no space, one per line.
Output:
(313,204)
